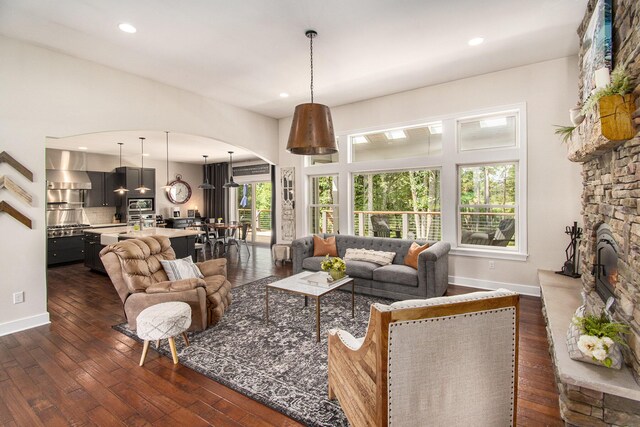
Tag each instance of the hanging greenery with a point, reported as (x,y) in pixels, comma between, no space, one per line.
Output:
(565,132)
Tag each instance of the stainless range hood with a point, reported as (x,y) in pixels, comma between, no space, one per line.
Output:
(67,180)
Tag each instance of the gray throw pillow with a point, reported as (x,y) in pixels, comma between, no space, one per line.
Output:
(181,269)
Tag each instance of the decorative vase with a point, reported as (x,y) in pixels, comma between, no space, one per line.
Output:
(336,274)
(576,116)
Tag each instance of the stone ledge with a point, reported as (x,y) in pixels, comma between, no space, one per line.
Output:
(561,298)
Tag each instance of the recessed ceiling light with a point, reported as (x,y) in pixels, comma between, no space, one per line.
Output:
(284,95)
(475,41)
(146,154)
(127,28)
(82,148)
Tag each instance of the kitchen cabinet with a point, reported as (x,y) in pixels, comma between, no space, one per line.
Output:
(65,249)
(92,248)
(131,179)
(101,193)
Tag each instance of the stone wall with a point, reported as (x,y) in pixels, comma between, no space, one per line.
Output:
(611,195)
(611,192)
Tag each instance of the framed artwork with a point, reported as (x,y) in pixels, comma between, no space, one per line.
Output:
(288,204)
(597,43)
(191,213)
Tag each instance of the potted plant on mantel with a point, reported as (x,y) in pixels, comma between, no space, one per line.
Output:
(616,106)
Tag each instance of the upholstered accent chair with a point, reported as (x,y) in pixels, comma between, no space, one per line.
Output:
(136,272)
(447,361)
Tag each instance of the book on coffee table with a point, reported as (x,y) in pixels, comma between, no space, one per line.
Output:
(320,278)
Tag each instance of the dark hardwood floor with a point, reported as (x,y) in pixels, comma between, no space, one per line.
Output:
(79,371)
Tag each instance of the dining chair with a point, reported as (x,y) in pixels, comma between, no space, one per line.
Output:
(242,239)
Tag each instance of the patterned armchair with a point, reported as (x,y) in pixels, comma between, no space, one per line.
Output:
(448,361)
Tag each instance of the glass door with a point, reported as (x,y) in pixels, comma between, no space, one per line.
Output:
(253,201)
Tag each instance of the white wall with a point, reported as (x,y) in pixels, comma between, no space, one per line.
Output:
(549,89)
(45,93)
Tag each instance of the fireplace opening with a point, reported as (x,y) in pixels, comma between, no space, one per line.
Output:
(605,269)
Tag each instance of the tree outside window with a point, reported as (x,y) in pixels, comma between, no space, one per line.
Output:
(323,209)
(487,206)
(403,204)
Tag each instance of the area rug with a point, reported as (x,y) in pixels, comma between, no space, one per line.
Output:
(278,364)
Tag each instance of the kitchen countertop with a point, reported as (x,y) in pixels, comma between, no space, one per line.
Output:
(110,235)
(109,224)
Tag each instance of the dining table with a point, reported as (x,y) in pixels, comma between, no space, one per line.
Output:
(225,228)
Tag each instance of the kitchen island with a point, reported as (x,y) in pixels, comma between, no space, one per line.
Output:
(182,241)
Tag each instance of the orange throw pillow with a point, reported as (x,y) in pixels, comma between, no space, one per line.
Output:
(322,247)
(411,259)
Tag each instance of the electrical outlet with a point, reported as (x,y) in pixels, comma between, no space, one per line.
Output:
(18,297)
(492,265)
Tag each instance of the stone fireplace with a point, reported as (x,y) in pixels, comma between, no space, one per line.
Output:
(609,249)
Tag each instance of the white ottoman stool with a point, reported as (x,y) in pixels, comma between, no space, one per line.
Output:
(165,320)
(281,252)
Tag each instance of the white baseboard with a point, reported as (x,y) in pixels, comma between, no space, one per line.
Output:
(24,323)
(491,285)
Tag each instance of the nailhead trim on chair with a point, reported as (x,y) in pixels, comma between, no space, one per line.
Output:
(430,302)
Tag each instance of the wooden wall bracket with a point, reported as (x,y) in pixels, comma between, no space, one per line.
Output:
(6,158)
(6,182)
(6,207)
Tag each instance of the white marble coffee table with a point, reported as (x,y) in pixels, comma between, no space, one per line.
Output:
(297,285)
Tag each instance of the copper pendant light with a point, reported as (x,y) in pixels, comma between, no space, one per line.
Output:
(312,128)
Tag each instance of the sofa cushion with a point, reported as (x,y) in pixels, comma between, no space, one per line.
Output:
(394,273)
(361,269)
(369,255)
(312,263)
(411,259)
(324,246)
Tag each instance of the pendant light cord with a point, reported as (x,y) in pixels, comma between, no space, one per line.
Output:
(311,51)
(167,132)
(141,163)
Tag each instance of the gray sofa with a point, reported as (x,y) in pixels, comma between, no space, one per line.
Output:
(396,281)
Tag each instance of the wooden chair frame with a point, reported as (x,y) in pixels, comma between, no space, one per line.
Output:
(359,378)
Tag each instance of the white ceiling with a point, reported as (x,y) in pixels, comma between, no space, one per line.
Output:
(182,147)
(246,52)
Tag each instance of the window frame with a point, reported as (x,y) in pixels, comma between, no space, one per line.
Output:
(447,162)
(311,205)
(516,209)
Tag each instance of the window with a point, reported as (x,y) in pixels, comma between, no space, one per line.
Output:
(417,141)
(460,178)
(491,131)
(403,204)
(323,206)
(487,209)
